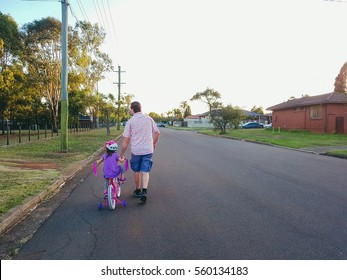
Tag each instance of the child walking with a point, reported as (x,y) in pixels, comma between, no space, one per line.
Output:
(111,167)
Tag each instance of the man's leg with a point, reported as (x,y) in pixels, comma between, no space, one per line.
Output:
(135,166)
(145,169)
(145,179)
(137,192)
(137,180)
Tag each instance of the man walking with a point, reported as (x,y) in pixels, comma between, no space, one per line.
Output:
(142,133)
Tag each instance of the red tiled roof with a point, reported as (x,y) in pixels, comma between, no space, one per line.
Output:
(327,98)
(192,117)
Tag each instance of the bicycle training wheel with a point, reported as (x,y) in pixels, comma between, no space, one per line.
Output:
(118,191)
(111,197)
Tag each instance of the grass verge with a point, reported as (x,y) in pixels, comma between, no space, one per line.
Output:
(292,139)
(29,168)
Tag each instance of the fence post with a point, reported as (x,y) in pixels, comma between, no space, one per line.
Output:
(29,134)
(20,134)
(38,132)
(46,130)
(8,135)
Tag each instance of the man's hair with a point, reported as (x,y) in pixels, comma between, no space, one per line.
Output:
(136,106)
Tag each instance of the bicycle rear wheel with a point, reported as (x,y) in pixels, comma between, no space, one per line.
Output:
(111,196)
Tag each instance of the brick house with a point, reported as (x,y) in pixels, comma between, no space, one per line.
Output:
(325,113)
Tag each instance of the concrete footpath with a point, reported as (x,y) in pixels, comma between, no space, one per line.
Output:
(323,150)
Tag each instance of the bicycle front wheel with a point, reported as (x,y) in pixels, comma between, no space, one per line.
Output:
(111,197)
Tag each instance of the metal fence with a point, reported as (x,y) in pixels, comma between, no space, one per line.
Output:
(16,135)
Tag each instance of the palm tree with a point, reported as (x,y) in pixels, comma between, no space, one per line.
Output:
(185,109)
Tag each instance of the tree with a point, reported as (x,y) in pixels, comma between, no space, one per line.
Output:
(11,72)
(169,116)
(341,80)
(258,110)
(43,54)
(77,106)
(186,111)
(156,117)
(177,114)
(107,108)
(88,62)
(127,99)
(11,43)
(226,117)
(210,97)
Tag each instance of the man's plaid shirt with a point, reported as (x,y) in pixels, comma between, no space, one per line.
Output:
(140,129)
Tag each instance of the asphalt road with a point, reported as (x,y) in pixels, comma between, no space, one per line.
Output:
(209,198)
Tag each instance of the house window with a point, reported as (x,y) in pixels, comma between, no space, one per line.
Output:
(316,112)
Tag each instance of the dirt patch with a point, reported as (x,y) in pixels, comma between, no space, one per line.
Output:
(32,165)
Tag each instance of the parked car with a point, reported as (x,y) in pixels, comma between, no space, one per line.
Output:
(160,124)
(252,125)
(268,125)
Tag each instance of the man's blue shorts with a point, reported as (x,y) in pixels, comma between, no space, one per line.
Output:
(141,163)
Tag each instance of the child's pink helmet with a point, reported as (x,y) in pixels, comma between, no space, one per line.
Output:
(112,146)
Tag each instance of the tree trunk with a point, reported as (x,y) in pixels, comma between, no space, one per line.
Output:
(108,132)
(54,119)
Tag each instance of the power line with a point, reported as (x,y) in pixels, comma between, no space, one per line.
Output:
(84,14)
(73,13)
(113,25)
(106,17)
(43,0)
(105,20)
(97,8)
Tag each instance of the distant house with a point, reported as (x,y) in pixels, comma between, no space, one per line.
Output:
(325,113)
(85,120)
(203,120)
(251,117)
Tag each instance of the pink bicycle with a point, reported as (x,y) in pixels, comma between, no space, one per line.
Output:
(112,194)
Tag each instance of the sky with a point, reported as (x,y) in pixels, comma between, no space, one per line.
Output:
(253,52)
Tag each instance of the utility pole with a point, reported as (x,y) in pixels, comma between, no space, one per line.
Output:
(64,96)
(119,84)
